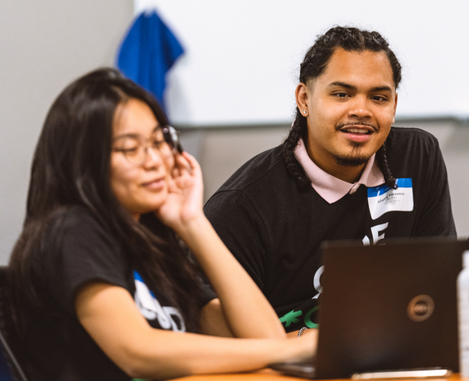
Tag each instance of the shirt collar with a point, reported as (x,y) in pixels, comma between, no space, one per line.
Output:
(331,188)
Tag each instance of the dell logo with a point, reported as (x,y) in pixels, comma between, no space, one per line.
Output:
(420,308)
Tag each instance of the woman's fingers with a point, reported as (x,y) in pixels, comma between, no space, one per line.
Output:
(194,165)
(184,163)
(186,169)
(182,174)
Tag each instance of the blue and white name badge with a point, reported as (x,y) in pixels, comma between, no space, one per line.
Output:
(383,199)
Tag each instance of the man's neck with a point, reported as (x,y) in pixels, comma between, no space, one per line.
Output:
(350,174)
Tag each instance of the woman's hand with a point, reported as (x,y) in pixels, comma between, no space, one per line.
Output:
(185,193)
(303,348)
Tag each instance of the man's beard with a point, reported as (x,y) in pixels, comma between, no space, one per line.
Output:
(354,159)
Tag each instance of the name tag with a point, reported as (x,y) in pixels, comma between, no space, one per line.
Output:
(383,199)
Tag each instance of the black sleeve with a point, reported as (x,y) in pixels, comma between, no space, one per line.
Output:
(85,252)
(207,293)
(437,217)
(241,228)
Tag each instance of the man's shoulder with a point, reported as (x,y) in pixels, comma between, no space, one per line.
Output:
(410,135)
(412,151)
(254,170)
(262,180)
(412,144)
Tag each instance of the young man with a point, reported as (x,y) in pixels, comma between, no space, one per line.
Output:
(342,173)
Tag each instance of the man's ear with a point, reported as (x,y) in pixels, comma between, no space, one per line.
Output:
(302,98)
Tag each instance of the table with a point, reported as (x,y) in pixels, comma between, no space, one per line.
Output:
(268,375)
(263,375)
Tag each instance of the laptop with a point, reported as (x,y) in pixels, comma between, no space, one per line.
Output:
(386,307)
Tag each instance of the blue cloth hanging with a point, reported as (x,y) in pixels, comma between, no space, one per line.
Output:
(147,52)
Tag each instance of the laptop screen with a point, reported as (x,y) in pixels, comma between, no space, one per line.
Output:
(388,307)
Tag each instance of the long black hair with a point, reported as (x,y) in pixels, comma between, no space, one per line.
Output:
(71,166)
(314,64)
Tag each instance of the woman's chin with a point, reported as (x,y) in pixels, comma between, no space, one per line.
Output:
(148,206)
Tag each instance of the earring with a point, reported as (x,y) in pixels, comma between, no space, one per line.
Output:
(304,111)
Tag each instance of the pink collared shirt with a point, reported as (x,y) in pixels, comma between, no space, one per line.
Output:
(331,188)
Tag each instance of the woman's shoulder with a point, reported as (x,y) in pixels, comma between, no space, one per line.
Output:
(77,249)
(77,220)
(76,215)
(76,231)
(80,247)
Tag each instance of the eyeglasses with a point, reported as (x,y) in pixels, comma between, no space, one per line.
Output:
(164,141)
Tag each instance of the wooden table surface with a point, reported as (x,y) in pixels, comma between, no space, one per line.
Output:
(267,375)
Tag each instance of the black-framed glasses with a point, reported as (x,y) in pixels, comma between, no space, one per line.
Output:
(164,142)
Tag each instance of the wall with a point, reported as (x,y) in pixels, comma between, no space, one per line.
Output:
(45,45)
(242,56)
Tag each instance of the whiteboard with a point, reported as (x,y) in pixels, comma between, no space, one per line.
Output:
(242,57)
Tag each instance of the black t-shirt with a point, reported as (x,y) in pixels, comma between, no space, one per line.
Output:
(57,346)
(275,229)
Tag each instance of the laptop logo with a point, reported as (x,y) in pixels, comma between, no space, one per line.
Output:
(420,308)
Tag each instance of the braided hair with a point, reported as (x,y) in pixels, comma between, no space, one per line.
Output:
(314,64)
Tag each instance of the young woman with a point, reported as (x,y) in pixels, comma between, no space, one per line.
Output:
(100,286)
